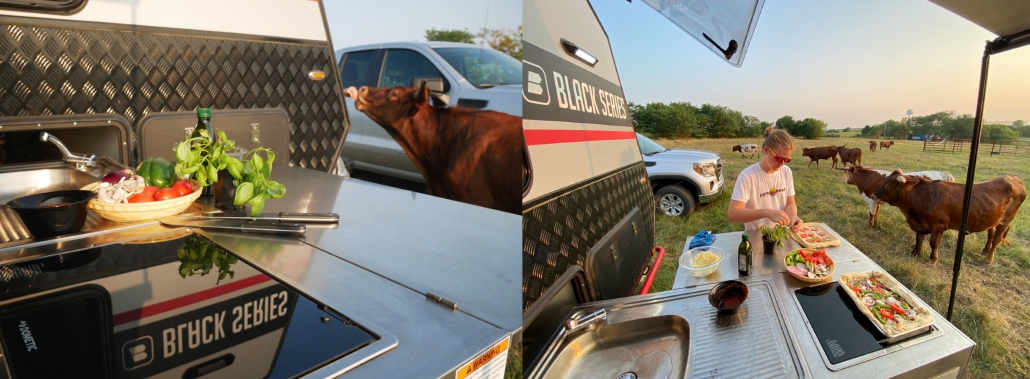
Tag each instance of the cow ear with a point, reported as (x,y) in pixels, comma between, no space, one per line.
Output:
(422,96)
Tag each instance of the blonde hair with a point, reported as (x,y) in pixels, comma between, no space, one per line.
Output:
(777,138)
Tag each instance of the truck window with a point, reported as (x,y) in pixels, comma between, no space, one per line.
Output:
(54,6)
(481,66)
(402,65)
(359,69)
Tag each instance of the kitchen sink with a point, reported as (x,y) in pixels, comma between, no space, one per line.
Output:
(22,180)
(55,177)
(652,347)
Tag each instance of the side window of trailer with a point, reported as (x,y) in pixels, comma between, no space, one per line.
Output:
(48,6)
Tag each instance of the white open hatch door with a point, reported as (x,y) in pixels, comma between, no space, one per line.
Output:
(724,27)
(1001,17)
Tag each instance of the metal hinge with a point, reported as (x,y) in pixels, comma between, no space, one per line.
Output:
(445,302)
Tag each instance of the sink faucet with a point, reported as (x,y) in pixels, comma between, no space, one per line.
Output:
(582,321)
(80,161)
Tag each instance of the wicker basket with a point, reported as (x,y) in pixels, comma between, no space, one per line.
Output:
(137,212)
(806,279)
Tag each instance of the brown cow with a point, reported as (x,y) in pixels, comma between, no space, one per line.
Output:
(852,155)
(466,155)
(933,206)
(819,153)
(868,181)
(872,146)
(886,145)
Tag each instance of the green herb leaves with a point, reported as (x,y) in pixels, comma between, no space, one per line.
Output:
(253,186)
(777,233)
(200,159)
(198,257)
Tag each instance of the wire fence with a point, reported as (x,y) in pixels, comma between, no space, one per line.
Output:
(986,147)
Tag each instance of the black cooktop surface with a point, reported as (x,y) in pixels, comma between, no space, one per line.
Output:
(842,330)
(134,311)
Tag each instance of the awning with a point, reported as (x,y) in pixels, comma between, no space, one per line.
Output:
(1001,17)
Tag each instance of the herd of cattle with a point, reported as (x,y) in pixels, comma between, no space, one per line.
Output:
(930,200)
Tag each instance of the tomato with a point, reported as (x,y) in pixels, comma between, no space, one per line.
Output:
(184,187)
(150,190)
(897,309)
(142,197)
(167,194)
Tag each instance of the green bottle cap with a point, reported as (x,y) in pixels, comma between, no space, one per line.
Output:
(204,112)
(744,236)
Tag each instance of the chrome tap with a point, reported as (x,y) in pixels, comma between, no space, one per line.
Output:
(80,161)
(582,321)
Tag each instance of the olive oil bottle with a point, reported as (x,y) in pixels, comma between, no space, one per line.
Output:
(744,256)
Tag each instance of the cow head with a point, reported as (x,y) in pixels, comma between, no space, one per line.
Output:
(387,105)
(894,187)
(806,152)
(736,148)
(855,172)
(841,148)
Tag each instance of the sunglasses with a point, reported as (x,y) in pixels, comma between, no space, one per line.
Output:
(778,158)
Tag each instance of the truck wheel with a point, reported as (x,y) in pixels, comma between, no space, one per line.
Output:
(673,200)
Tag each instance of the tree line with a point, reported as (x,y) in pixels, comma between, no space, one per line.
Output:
(947,125)
(503,40)
(684,120)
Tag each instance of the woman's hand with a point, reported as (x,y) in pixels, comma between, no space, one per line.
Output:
(777,216)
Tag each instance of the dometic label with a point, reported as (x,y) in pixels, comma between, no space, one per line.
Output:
(555,89)
(489,365)
(166,344)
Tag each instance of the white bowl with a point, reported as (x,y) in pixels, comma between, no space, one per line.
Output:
(686,261)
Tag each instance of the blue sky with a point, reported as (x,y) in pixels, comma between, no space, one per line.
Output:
(353,22)
(847,63)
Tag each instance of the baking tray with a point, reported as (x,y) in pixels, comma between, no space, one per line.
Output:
(896,287)
(805,228)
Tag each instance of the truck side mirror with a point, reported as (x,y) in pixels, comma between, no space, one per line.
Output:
(435,85)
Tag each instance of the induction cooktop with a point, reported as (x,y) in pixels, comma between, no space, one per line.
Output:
(182,307)
(845,336)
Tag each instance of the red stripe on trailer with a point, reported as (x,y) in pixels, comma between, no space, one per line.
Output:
(182,301)
(549,137)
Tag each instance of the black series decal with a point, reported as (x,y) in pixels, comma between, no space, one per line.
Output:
(558,90)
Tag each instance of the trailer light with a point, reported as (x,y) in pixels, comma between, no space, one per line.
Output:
(578,52)
(316,75)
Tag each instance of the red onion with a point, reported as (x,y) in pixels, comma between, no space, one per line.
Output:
(117,176)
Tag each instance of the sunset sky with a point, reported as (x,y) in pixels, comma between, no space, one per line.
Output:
(847,63)
(360,22)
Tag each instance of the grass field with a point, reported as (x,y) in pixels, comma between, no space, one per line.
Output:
(993,301)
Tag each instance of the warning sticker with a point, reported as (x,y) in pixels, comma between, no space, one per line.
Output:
(490,365)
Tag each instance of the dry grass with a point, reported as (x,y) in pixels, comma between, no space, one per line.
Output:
(993,301)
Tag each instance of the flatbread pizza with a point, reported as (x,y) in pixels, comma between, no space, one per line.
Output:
(814,235)
(887,304)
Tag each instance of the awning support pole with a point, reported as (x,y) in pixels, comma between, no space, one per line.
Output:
(970,172)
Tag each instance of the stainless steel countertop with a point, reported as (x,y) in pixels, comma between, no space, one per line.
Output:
(390,247)
(431,339)
(466,254)
(915,354)
(388,250)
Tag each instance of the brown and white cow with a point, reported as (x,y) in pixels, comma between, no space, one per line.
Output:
(933,206)
(852,155)
(819,153)
(466,155)
(868,181)
(746,148)
(886,145)
(872,146)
